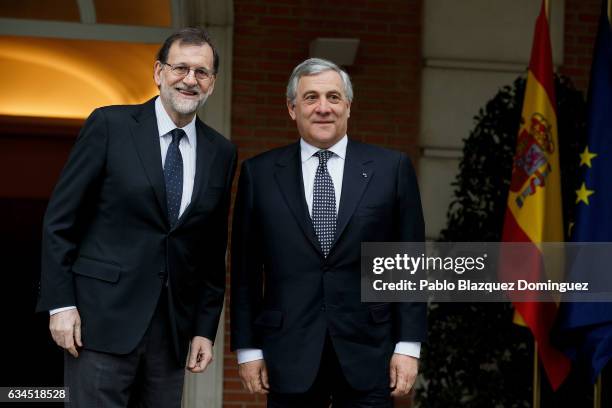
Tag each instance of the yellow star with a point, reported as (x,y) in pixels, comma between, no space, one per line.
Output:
(586,157)
(583,194)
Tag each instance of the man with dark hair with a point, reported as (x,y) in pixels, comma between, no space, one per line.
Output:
(134,239)
(188,36)
(301,332)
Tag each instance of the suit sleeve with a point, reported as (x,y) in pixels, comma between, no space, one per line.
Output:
(69,208)
(211,303)
(247,267)
(410,317)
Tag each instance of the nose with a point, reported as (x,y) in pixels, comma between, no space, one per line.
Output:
(190,78)
(323,107)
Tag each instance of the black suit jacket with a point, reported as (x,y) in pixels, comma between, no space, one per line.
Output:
(286,295)
(107,245)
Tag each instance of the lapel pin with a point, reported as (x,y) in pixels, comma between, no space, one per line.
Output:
(364,175)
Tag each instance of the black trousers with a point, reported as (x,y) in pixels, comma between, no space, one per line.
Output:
(149,376)
(330,387)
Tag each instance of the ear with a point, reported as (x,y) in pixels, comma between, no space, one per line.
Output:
(211,87)
(348,109)
(291,109)
(157,68)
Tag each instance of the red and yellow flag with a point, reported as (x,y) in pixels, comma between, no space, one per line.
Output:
(534,213)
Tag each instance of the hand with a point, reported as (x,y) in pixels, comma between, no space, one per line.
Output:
(65,329)
(254,376)
(403,371)
(200,354)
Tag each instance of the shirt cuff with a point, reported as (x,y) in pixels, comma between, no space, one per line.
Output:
(249,354)
(60,309)
(408,348)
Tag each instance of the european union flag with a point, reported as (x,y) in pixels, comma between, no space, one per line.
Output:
(586,328)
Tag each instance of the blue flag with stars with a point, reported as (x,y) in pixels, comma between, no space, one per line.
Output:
(586,328)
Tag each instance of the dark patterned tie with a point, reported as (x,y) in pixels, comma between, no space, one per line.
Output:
(173,173)
(324,203)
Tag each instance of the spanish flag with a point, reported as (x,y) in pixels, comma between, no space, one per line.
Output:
(534,212)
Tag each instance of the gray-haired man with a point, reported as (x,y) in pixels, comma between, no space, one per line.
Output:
(301,332)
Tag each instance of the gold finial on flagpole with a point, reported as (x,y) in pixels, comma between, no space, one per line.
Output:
(546,9)
(597,391)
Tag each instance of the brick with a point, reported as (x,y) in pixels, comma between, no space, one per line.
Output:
(586,40)
(290,2)
(379,16)
(377,27)
(278,22)
(245,9)
(245,20)
(233,385)
(588,18)
(581,18)
(235,396)
(281,10)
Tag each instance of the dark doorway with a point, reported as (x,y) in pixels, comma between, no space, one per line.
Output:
(29,358)
(32,153)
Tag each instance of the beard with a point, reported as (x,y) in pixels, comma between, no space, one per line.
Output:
(182,105)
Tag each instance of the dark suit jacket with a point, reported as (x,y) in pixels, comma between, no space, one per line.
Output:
(107,246)
(286,295)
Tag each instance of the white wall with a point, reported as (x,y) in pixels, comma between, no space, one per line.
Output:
(471,48)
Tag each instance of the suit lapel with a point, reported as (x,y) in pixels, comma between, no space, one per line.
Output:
(146,138)
(358,172)
(205,154)
(289,177)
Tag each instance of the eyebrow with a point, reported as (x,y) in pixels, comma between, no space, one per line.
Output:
(332,92)
(184,64)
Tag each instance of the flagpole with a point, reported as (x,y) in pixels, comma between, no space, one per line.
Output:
(597,393)
(536,361)
(536,376)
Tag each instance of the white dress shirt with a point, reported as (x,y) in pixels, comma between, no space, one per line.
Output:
(187,146)
(335,166)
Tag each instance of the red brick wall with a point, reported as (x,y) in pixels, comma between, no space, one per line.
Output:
(272,36)
(581,18)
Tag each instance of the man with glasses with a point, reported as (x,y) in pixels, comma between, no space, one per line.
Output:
(134,239)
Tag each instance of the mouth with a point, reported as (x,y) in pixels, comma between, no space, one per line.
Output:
(187,92)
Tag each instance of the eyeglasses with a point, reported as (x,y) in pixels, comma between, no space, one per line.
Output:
(181,71)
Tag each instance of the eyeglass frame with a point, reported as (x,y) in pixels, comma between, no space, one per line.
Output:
(173,67)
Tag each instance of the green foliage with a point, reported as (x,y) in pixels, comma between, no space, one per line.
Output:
(476,356)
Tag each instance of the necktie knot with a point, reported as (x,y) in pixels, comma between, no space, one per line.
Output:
(177,135)
(324,156)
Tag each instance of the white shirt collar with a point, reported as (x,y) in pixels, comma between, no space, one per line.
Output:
(165,124)
(339,149)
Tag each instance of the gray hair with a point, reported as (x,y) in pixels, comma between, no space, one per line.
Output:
(314,66)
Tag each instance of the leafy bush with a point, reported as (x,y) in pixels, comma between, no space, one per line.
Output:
(475,356)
